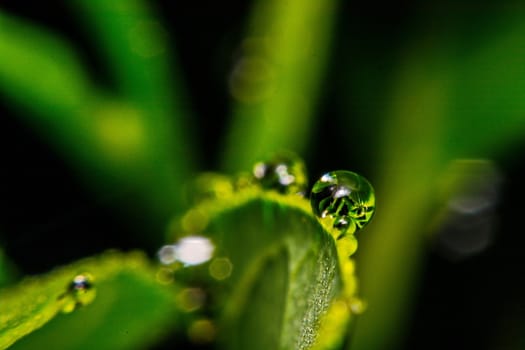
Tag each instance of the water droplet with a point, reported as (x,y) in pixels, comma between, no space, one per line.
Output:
(166,254)
(220,268)
(202,331)
(285,173)
(81,291)
(190,250)
(346,198)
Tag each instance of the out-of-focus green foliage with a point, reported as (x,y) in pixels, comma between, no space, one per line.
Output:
(446,98)
(276,81)
(128,296)
(124,140)
(442,106)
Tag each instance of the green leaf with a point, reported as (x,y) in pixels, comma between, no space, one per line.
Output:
(287,271)
(131,309)
(136,143)
(451,100)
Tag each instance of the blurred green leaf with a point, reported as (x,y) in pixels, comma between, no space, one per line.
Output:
(276,80)
(136,48)
(287,271)
(39,72)
(443,106)
(136,143)
(130,310)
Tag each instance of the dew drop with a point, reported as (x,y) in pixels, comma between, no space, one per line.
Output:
(190,250)
(346,198)
(80,291)
(285,173)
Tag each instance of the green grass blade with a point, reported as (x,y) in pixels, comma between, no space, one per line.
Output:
(135,46)
(131,309)
(120,145)
(444,106)
(276,81)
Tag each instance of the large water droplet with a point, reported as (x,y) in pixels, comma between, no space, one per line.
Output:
(285,173)
(80,291)
(346,198)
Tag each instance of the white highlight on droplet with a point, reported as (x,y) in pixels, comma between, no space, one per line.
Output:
(191,250)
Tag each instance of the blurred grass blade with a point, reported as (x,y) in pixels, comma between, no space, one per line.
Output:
(119,145)
(443,106)
(135,46)
(131,309)
(276,80)
(40,73)
(287,272)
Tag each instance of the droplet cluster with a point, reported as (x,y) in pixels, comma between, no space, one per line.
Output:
(284,173)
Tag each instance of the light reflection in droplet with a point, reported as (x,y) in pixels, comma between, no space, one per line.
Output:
(190,250)
(194,250)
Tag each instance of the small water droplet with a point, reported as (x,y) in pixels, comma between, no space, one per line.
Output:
(285,173)
(220,268)
(190,250)
(80,291)
(345,197)
(166,254)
